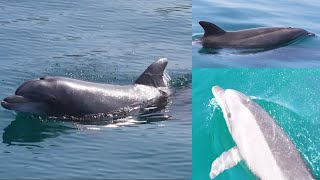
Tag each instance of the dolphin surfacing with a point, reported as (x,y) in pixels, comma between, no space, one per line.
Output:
(260,142)
(257,38)
(60,96)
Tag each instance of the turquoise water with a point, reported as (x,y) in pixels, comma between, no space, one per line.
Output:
(238,14)
(102,41)
(290,96)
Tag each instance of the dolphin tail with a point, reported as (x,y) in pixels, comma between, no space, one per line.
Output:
(211,29)
(225,161)
(154,75)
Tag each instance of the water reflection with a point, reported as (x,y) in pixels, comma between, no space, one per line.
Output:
(30,129)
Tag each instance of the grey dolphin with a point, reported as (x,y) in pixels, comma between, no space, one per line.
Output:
(264,37)
(261,143)
(59,96)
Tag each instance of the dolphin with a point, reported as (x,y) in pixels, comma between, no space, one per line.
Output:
(257,38)
(260,142)
(61,96)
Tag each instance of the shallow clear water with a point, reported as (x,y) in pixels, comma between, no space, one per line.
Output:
(238,14)
(290,96)
(108,42)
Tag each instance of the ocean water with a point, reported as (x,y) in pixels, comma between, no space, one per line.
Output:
(236,15)
(101,41)
(290,96)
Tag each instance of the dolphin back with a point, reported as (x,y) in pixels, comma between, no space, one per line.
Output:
(154,75)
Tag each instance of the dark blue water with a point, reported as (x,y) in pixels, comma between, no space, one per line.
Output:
(102,41)
(239,14)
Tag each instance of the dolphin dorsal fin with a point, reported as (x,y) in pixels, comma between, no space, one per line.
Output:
(225,161)
(154,74)
(211,29)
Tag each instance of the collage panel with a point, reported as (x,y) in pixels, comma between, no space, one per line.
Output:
(95,89)
(254,100)
(255,33)
(251,123)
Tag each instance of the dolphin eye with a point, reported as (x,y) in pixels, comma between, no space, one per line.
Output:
(52,99)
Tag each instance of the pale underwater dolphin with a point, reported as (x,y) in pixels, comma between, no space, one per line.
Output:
(256,38)
(260,142)
(60,96)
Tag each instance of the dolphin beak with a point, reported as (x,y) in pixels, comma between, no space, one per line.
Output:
(219,95)
(311,34)
(10,101)
(217,91)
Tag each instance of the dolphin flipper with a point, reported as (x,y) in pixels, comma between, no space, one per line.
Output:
(154,75)
(225,161)
(211,29)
